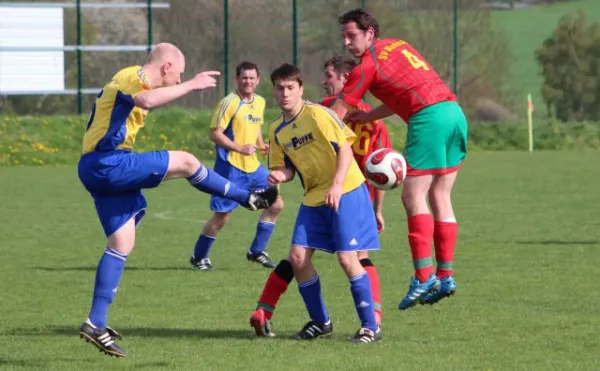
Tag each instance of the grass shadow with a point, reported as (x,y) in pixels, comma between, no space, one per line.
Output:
(558,242)
(93,269)
(147,332)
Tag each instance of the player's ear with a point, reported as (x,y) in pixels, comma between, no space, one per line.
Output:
(167,67)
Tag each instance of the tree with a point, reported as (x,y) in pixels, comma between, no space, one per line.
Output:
(570,64)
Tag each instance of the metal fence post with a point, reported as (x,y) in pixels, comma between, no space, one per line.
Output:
(79,72)
(149,25)
(226,45)
(455,53)
(295,32)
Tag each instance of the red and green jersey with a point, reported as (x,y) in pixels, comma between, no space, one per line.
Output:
(396,74)
(370,136)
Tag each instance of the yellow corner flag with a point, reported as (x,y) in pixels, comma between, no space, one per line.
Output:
(530,110)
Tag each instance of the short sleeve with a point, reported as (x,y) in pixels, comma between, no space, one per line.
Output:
(224,112)
(134,83)
(358,82)
(276,155)
(333,128)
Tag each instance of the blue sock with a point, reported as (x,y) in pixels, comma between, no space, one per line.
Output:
(264,230)
(311,293)
(108,275)
(206,180)
(203,246)
(360,286)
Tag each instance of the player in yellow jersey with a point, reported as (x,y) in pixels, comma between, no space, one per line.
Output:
(336,214)
(236,129)
(115,176)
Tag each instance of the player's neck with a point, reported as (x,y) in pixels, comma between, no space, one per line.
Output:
(246,97)
(289,115)
(154,78)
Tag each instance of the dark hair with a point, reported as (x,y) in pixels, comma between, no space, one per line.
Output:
(341,64)
(246,66)
(363,19)
(287,72)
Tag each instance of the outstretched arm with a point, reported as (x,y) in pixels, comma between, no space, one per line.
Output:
(161,96)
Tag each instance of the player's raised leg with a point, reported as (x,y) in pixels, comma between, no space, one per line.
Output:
(420,237)
(185,165)
(444,236)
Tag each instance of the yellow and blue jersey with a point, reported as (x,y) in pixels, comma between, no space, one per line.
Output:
(309,143)
(115,120)
(241,123)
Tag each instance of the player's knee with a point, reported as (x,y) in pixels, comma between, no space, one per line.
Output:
(298,258)
(277,207)
(348,262)
(219,220)
(183,164)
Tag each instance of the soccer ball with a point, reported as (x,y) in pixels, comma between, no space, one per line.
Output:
(385,169)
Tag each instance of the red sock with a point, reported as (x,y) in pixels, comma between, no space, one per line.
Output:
(274,288)
(374,278)
(420,236)
(444,237)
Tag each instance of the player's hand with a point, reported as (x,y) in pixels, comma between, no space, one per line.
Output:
(356,117)
(332,198)
(264,149)
(204,80)
(276,177)
(248,150)
(380,222)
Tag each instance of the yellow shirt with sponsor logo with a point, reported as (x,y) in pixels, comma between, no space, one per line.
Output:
(115,120)
(242,123)
(309,144)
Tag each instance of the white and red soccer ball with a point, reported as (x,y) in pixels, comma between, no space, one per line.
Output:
(385,169)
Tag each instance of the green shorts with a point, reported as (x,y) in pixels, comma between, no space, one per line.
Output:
(436,142)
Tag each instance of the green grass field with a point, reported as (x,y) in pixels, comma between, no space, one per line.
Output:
(526,265)
(526,30)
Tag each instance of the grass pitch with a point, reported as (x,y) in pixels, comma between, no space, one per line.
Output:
(526,267)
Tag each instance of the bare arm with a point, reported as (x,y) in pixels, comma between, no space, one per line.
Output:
(161,96)
(281,174)
(380,112)
(344,158)
(220,139)
(378,202)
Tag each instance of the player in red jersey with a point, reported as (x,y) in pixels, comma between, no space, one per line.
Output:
(370,137)
(395,73)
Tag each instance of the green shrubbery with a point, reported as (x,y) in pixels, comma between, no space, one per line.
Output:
(56,140)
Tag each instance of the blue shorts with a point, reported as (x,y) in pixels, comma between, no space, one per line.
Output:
(250,181)
(352,228)
(115,180)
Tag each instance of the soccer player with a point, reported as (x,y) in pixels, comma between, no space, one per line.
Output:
(435,148)
(115,176)
(236,129)
(370,137)
(336,214)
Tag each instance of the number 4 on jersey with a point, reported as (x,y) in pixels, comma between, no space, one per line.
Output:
(415,61)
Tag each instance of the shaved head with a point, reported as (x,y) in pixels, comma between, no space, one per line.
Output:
(168,61)
(164,52)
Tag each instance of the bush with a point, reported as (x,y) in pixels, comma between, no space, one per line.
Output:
(29,140)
